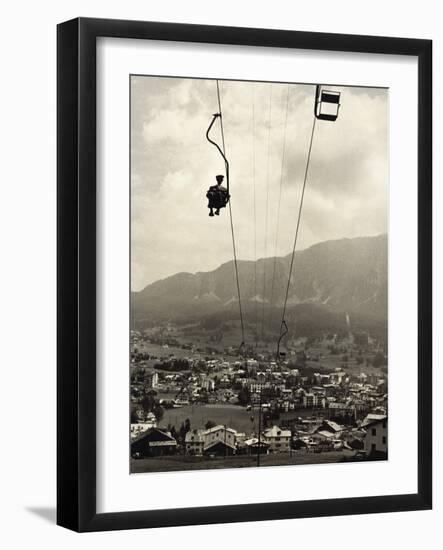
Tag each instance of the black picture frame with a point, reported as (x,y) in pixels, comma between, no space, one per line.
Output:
(76,266)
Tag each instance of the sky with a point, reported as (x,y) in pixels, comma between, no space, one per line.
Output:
(267,129)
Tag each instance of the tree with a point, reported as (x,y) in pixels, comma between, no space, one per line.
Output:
(158,411)
(174,433)
(244,396)
(171,429)
(134,417)
(184,429)
(379,360)
(209,424)
(148,402)
(187,425)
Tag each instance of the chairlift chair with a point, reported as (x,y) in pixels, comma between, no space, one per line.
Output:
(327,104)
(218,198)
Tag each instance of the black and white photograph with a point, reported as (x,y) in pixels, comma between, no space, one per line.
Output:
(220,279)
(259,273)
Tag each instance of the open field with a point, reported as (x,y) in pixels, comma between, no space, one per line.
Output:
(180,462)
(233,416)
(332,362)
(156,350)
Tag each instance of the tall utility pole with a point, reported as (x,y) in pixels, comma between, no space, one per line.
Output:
(259,430)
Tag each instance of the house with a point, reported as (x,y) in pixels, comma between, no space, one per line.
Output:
(225,381)
(219,448)
(279,440)
(258,387)
(149,422)
(219,434)
(354,438)
(337,377)
(252,446)
(376,438)
(313,400)
(208,384)
(330,389)
(305,442)
(329,429)
(137,429)
(194,442)
(151,379)
(321,379)
(252,366)
(309,400)
(219,440)
(341,410)
(153,442)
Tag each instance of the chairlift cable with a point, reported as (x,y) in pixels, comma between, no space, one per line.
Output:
(255,216)
(283,321)
(279,203)
(232,224)
(266,213)
(331,98)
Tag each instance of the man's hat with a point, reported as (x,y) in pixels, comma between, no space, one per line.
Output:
(219,177)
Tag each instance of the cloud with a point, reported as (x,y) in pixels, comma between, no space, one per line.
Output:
(172,165)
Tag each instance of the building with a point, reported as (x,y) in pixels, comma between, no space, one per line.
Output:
(341,410)
(313,400)
(219,448)
(208,384)
(258,387)
(376,438)
(219,440)
(321,379)
(219,433)
(149,422)
(137,429)
(252,367)
(194,442)
(309,400)
(252,446)
(279,440)
(329,429)
(337,377)
(151,379)
(225,381)
(153,442)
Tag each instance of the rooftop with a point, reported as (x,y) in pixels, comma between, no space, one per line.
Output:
(275,431)
(373,419)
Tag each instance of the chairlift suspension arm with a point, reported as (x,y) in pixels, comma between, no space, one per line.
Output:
(214,118)
(286,330)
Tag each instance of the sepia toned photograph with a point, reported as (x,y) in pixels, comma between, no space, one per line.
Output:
(259,274)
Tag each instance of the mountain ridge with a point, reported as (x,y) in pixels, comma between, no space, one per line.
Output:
(342,275)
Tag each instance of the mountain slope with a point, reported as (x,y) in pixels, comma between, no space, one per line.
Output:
(346,275)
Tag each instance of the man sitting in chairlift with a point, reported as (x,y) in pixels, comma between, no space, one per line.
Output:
(217,196)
